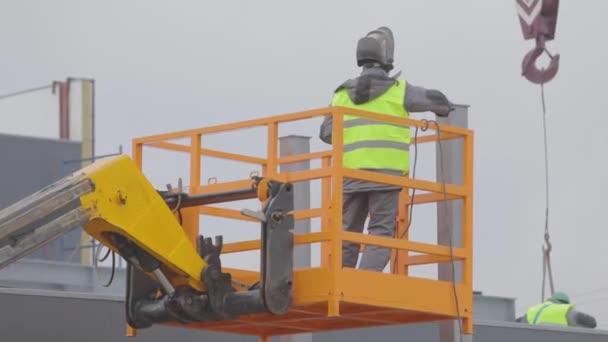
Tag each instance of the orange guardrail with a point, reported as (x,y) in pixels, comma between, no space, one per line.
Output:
(331,235)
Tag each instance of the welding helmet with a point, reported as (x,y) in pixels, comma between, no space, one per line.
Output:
(378,46)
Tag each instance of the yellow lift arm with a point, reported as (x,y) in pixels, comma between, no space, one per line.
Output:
(169,278)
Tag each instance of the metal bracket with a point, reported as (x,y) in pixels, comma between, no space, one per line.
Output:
(277,249)
(258,215)
(219,284)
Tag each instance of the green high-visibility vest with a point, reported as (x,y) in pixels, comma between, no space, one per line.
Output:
(549,313)
(371,144)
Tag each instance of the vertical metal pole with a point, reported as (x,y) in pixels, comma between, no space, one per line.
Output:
(325,207)
(289,146)
(86,114)
(191,216)
(64,110)
(337,188)
(399,257)
(449,214)
(87,122)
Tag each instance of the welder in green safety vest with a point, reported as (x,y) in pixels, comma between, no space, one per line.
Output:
(376,146)
(557,310)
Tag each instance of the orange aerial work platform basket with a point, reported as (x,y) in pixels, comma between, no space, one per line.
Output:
(330,297)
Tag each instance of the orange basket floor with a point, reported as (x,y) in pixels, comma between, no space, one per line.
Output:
(313,318)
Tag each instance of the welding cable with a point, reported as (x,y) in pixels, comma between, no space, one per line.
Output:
(113,269)
(439,146)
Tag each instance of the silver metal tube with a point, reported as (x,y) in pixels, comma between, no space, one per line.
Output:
(164,282)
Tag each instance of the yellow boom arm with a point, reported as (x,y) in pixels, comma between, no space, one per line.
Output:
(124,203)
(114,203)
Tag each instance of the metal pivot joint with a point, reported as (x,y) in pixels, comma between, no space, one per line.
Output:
(538,19)
(272,294)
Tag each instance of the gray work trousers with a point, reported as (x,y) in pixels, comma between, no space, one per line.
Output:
(382,207)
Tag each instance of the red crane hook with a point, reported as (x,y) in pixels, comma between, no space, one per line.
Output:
(538,19)
(529,69)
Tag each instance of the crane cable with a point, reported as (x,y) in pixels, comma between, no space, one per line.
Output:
(546,250)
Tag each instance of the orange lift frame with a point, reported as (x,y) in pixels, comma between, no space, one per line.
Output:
(330,297)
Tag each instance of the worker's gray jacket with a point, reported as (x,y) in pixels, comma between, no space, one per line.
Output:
(371,83)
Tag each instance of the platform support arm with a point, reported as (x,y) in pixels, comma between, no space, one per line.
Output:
(273,294)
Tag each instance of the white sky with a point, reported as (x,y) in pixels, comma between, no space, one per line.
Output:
(164,66)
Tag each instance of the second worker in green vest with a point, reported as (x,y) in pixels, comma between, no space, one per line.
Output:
(376,146)
(557,310)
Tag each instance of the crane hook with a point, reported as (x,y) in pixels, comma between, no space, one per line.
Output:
(529,69)
(538,19)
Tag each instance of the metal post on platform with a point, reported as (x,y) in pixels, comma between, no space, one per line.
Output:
(289,146)
(449,214)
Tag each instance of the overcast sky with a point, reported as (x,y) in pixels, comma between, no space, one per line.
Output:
(164,66)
